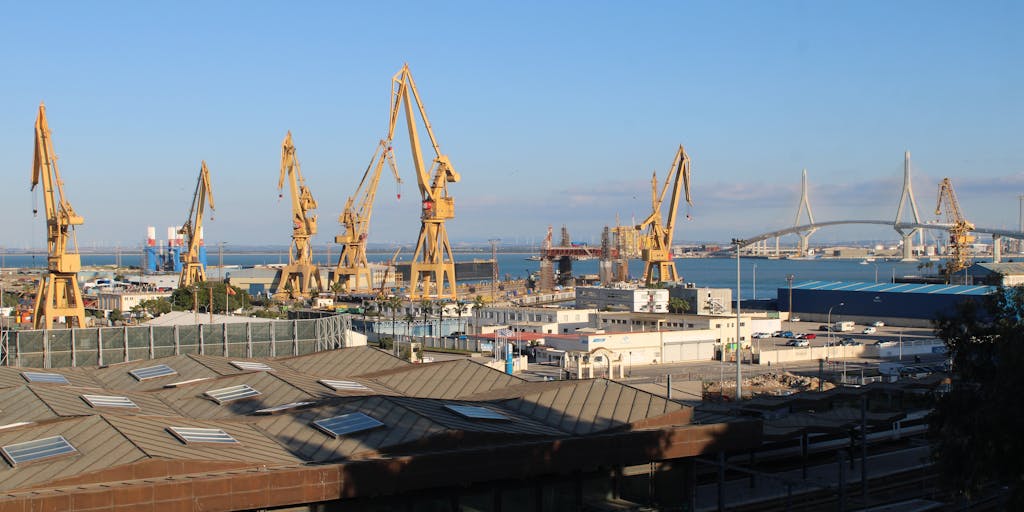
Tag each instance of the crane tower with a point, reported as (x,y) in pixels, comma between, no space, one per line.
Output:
(301,276)
(58,294)
(657,253)
(960,229)
(192,270)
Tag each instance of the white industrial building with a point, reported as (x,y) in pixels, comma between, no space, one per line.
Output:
(124,300)
(539,320)
(623,297)
(704,301)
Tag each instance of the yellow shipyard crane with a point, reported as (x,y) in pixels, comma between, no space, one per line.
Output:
(432,271)
(352,273)
(657,252)
(960,229)
(192,270)
(58,294)
(301,276)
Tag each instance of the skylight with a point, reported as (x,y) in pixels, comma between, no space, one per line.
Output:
(230,394)
(474,412)
(109,401)
(190,435)
(45,378)
(350,423)
(152,372)
(251,366)
(283,407)
(39,449)
(344,385)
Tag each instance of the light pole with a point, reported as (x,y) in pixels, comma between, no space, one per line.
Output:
(739,345)
(876,272)
(789,279)
(828,323)
(755,281)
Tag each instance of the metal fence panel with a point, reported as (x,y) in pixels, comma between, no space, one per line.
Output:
(113,344)
(86,347)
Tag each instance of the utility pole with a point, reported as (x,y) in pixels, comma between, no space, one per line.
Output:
(789,279)
(739,345)
(494,267)
(210,293)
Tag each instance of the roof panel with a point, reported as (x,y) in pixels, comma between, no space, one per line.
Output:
(192,435)
(351,423)
(940,289)
(231,393)
(39,449)
(44,378)
(475,412)
(152,372)
(95,401)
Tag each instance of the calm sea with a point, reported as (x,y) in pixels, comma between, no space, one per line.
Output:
(768,275)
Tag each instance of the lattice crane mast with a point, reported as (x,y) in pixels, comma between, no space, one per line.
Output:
(58,294)
(960,229)
(657,252)
(192,270)
(432,269)
(301,276)
(353,271)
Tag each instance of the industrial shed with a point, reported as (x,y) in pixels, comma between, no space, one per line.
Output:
(906,304)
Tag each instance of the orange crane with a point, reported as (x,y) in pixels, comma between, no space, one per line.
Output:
(58,294)
(657,252)
(192,270)
(353,271)
(960,229)
(301,276)
(432,271)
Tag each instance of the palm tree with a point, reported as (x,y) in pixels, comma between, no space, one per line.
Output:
(409,319)
(393,303)
(461,307)
(678,305)
(426,307)
(478,304)
(440,319)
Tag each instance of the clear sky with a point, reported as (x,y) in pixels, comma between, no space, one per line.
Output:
(553,112)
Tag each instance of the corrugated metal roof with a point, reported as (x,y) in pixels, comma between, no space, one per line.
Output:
(943,289)
(150,434)
(98,444)
(592,406)
(349,362)
(190,401)
(402,425)
(11,376)
(66,401)
(19,404)
(117,376)
(448,379)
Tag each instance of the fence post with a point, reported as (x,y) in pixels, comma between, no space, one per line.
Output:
(46,347)
(124,336)
(273,338)
(224,330)
(248,339)
(152,351)
(177,341)
(99,346)
(202,351)
(73,339)
(295,337)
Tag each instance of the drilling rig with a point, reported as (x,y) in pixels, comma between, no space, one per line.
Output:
(657,252)
(58,294)
(353,271)
(960,229)
(192,270)
(432,271)
(301,276)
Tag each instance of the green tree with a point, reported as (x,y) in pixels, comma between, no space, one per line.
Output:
(678,305)
(461,309)
(115,315)
(427,308)
(223,299)
(478,305)
(977,425)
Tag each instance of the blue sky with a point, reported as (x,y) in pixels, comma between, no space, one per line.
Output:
(553,114)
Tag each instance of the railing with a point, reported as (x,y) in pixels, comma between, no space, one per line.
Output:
(109,345)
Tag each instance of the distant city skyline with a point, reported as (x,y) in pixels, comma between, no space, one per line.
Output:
(553,114)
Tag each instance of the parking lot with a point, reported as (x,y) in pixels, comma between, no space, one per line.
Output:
(822,338)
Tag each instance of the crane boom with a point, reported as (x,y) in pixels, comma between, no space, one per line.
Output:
(192,270)
(432,270)
(352,274)
(301,276)
(657,253)
(58,294)
(960,229)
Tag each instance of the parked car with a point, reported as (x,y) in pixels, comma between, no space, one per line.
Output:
(787,334)
(794,319)
(823,328)
(810,336)
(878,324)
(802,343)
(850,342)
(869,330)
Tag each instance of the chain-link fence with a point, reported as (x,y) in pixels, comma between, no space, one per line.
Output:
(109,345)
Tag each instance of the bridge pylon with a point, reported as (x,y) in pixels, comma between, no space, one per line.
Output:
(804,205)
(908,192)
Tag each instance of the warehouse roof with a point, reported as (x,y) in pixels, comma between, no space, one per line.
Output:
(342,407)
(852,286)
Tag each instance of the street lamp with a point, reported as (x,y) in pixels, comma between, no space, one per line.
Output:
(755,281)
(739,346)
(789,279)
